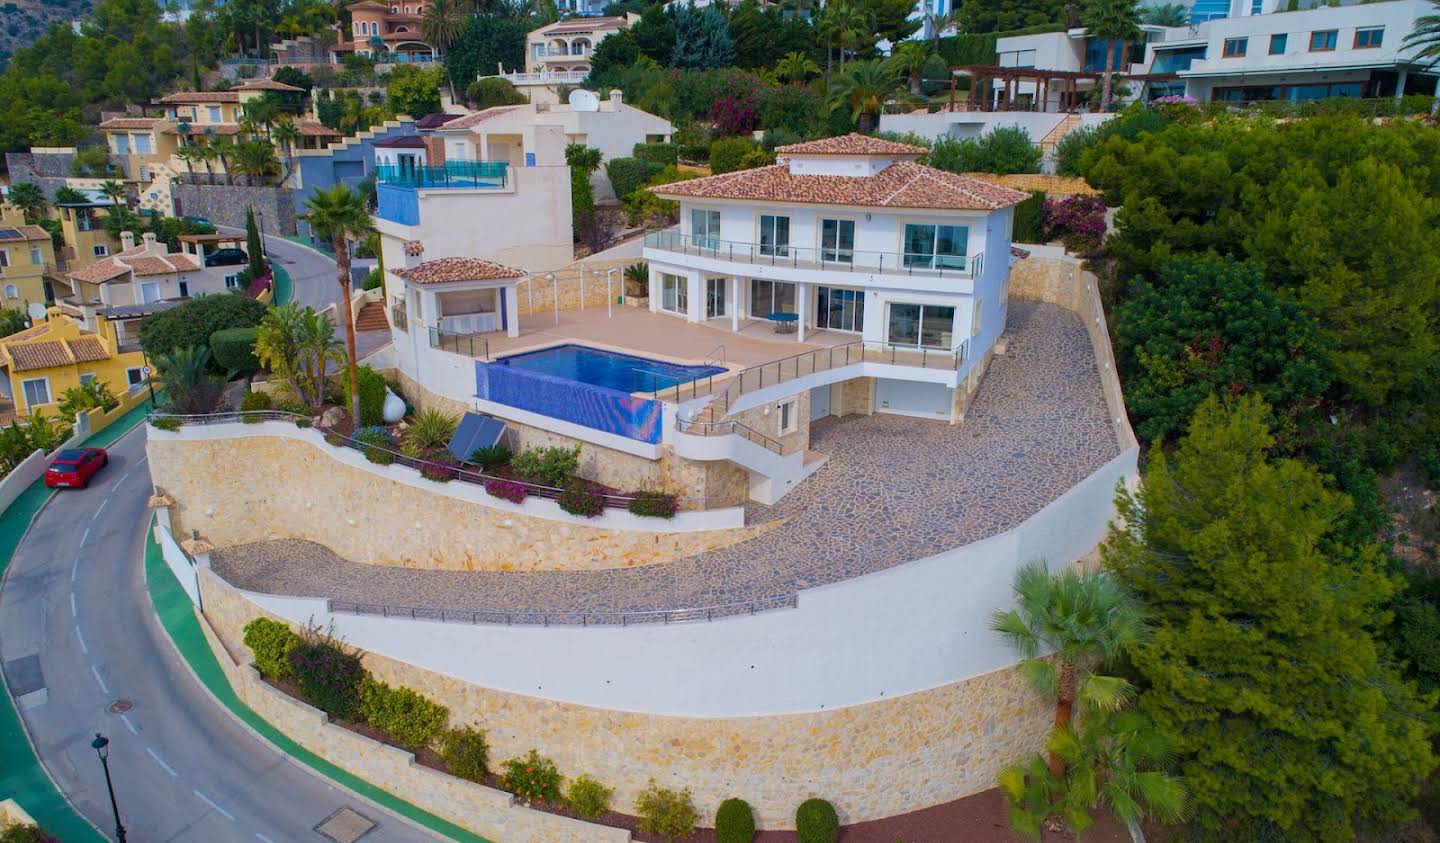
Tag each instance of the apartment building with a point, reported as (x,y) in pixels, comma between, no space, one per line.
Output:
(387,31)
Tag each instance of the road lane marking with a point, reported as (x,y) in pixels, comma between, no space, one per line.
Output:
(203,798)
(263,838)
(129,725)
(81,639)
(120,482)
(85,536)
(161,761)
(75,569)
(104,689)
(73,613)
(143,459)
(98,510)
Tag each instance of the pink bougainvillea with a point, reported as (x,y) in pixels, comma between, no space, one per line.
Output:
(1077,221)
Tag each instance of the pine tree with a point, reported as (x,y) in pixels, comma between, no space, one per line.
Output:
(253,246)
(702,39)
(1263,672)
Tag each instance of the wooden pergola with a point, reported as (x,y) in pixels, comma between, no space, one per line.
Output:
(982,74)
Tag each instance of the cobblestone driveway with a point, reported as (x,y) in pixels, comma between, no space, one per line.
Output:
(894,489)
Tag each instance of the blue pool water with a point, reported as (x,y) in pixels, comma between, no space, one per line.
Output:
(624,372)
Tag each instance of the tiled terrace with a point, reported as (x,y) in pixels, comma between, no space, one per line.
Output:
(895,489)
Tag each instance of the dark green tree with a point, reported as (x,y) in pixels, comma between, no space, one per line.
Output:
(616,52)
(1213,326)
(253,246)
(488,43)
(189,325)
(1263,671)
(702,38)
(654,34)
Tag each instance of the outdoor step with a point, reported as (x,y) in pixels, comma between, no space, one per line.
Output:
(372,318)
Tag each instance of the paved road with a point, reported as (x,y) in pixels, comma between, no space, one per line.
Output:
(78,633)
(312,273)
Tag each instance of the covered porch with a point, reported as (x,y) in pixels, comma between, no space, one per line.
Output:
(461,297)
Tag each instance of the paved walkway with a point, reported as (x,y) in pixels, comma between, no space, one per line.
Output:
(895,489)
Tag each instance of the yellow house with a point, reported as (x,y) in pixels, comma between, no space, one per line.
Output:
(27,255)
(41,362)
(82,225)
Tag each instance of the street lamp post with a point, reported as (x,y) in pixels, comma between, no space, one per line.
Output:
(101,745)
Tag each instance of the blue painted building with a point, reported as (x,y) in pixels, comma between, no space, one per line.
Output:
(347,162)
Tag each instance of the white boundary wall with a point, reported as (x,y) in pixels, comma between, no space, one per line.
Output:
(179,562)
(915,626)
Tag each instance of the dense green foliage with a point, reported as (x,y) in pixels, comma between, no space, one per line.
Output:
(666,813)
(465,752)
(588,797)
(413,91)
(1211,325)
(628,175)
(412,720)
(728,154)
(191,387)
(88,395)
(553,466)
(1027,219)
(1263,672)
(329,673)
(817,822)
(1002,150)
(533,778)
(493,91)
(234,350)
(489,41)
(295,343)
(192,323)
(734,822)
(271,641)
(372,395)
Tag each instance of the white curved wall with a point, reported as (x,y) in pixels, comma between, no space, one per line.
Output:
(916,626)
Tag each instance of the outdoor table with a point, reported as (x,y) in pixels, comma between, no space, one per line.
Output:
(785,323)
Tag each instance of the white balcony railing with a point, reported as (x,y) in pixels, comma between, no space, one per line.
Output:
(828,259)
(544,77)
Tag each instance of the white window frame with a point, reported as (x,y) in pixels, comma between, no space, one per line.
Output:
(712,284)
(122,144)
(706,236)
(137,382)
(144,285)
(787,416)
(100,250)
(12,291)
(836,253)
(37,256)
(777,247)
(232,282)
(680,285)
(216,115)
(25,392)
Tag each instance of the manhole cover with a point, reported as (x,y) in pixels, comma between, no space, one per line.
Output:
(345,826)
(121,706)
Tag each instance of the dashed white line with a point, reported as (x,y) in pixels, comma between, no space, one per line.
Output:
(85,536)
(129,725)
(120,482)
(203,798)
(104,689)
(75,569)
(143,459)
(73,613)
(161,761)
(81,639)
(262,838)
(99,509)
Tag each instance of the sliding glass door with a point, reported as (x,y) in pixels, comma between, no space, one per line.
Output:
(935,246)
(674,293)
(767,297)
(921,325)
(715,297)
(840,310)
(774,236)
(705,228)
(837,241)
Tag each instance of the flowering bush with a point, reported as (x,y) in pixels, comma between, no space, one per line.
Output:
(1176,106)
(653,504)
(1078,221)
(732,116)
(578,500)
(506,490)
(438,472)
(533,778)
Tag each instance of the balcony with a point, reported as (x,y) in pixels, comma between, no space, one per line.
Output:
(451,174)
(562,54)
(828,260)
(544,77)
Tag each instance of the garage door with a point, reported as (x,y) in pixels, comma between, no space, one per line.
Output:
(908,398)
(819,402)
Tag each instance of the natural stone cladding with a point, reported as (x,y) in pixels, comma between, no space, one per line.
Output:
(871,760)
(308,494)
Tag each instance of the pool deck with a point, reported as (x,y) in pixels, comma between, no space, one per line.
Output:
(894,489)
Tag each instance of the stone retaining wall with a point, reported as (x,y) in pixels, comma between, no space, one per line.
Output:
(872,761)
(225,204)
(483,810)
(246,489)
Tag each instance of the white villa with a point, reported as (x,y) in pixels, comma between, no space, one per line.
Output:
(557,55)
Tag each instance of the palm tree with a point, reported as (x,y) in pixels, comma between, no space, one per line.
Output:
(1116,21)
(224,147)
(296,344)
(113,190)
(185,374)
(1117,760)
(287,134)
(338,215)
(206,153)
(863,89)
(443,24)
(28,197)
(908,59)
(938,22)
(851,24)
(1086,619)
(255,159)
(796,67)
(189,154)
(1166,14)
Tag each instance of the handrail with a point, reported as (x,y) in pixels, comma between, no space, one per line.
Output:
(446,341)
(710,357)
(706,428)
(575,618)
(457,173)
(842,260)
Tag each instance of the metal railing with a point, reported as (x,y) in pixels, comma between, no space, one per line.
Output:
(561,76)
(469,345)
(558,54)
(576,618)
(398,318)
(491,174)
(727,428)
(127,346)
(835,260)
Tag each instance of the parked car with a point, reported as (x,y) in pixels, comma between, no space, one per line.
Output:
(199,221)
(74,467)
(226,257)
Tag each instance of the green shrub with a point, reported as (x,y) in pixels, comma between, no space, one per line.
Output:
(465,752)
(304,421)
(334,440)
(579,500)
(554,466)
(658,153)
(256,401)
(234,350)
(26,834)
(329,673)
(411,719)
(372,394)
(757,157)
(1028,217)
(667,813)
(379,456)
(165,423)
(432,428)
(373,279)
(628,175)
(653,505)
(588,797)
(728,154)
(816,822)
(271,642)
(693,143)
(289,406)
(734,822)
(533,778)
(492,457)
(191,324)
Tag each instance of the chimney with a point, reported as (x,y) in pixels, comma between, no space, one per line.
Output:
(615,97)
(127,240)
(434,151)
(149,238)
(414,253)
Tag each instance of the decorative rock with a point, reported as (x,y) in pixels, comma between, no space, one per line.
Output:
(331,417)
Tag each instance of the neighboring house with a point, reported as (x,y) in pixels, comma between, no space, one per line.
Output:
(387,32)
(462,206)
(42,362)
(347,161)
(507,132)
(140,143)
(557,55)
(27,261)
(82,226)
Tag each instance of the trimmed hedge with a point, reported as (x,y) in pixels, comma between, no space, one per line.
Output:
(466,752)
(728,154)
(1028,219)
(658,153)
(234,350)
(414,721)
(271,642)
(628,175)
(816,822)
(256,401)
(734,822)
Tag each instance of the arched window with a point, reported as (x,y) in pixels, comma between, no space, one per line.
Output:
(358,27)
(394,10)
(12,292)
(408,10)
(374,27)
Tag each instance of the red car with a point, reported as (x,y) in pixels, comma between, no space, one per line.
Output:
(74,467)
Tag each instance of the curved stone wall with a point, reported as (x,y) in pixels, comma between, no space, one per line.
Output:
(245,483)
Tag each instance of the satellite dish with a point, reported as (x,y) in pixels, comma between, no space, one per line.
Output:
(583,100)
(37,312)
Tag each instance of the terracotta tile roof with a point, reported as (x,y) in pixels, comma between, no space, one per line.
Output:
(201,97)
(901,185)
(583,25)
(368,4)
(479,117)
(131,123)
(309,128)
(88,349)
(136,260)
(100,271)
(851,144)
(268,85)
(25,232)
(29,356)
(29,333)
(458,269)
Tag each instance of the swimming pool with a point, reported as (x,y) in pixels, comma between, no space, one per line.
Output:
(608,369)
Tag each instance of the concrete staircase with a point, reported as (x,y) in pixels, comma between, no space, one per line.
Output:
(1066,126)
(372,318)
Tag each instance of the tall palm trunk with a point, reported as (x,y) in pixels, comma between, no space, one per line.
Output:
(342,274)
(1105,89)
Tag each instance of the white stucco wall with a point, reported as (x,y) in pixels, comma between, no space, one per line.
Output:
(916,626)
